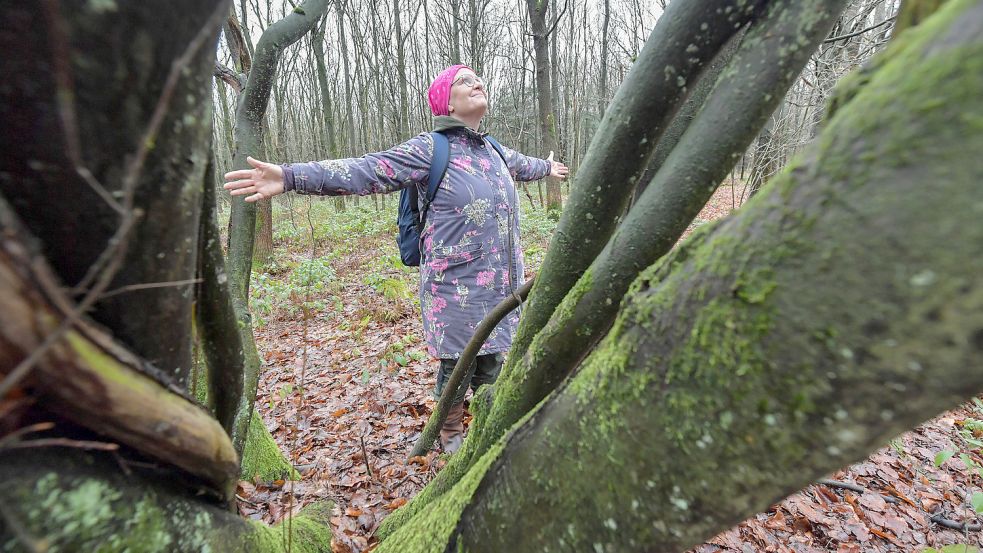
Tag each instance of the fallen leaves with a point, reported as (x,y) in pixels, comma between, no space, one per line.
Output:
(903,489)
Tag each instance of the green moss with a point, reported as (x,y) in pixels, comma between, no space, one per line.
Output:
(308,532)
(914,12)
(262,457)
(434,527)
(85,514)
(889,87)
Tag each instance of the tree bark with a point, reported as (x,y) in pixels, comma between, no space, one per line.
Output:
(544,94)
(85,502)
(215,319)
(96,75)
(327,114)
(92,380)
(602,82)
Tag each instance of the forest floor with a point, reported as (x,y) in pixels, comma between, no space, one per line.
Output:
(346,392)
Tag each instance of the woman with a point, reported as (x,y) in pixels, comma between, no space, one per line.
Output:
(471,258)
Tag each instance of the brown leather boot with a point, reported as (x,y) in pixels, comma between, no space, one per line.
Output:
(452,432)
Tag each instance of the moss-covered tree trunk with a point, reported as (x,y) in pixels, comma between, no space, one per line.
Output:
(87,502)
(107,128)
(771,348)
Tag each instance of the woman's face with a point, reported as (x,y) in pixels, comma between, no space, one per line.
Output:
(468,98)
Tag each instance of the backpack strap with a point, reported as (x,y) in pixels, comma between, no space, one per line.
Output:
(438,167)
(498,148)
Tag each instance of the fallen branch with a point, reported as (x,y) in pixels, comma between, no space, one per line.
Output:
(961,526)
(842,485)
(465,364)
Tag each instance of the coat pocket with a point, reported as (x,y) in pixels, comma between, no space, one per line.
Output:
(457,254)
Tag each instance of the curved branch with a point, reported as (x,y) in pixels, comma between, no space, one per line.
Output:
(465,366)
(861,31)
(249,141)
(230,77)
(216,320)
(635,119)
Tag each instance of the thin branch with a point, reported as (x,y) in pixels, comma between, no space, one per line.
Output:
(62,442)
(230,77)
(365,456)
(861,31)
(961,526)
(30,429)
(147,286)
(842,485)
(556,21)
(32,544)
(464,367)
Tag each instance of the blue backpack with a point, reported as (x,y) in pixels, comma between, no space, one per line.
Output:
(409,219)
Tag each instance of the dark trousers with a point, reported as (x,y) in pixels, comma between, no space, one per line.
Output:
(486,369)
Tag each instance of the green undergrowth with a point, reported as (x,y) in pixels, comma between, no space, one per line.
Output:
(319,252)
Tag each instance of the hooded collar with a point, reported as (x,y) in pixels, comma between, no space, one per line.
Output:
(443,123)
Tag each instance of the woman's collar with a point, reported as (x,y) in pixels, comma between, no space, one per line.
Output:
(448,122)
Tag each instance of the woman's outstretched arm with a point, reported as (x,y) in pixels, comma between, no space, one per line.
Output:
(525,168)
(381,172)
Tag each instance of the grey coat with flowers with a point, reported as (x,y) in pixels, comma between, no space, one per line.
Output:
(471,258)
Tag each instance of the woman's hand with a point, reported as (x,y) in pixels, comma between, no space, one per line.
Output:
(263,181)
(557,169)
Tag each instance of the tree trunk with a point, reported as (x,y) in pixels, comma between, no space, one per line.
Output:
(263,244)
(343,44)
(403,113)
(602,83)
(249,139)
(327,117)
(544,94)
(765,158)
(153,177)
(84,502)
(455,32)
(327,114)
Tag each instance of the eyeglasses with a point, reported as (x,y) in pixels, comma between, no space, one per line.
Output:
(470,81)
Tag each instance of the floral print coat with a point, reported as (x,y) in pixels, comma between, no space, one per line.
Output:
(470,254)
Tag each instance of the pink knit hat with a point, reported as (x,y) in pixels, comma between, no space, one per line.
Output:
(439,94)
